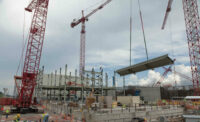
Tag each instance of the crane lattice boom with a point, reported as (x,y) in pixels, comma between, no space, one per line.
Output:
(192,23)
(33,52)
(158,83)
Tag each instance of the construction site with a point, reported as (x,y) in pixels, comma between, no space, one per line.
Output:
(131,85)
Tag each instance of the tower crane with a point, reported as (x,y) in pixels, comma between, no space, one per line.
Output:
(192,23)
(33,54)
(158,83)
(82,20)
(180,74)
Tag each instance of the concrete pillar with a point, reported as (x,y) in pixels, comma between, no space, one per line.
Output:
(93,78)
(106,80)
(70,76)
(65,83)
(51,86)
(42,82)
(42,75)
(60,79)
(55,84)
(48,84)
(114,83)
(124,85)
(101,80)
(114,79)
(75,80)
(88,84)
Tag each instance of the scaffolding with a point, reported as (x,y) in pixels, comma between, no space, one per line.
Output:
(70,87)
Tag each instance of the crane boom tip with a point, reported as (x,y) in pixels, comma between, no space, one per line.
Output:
(27,9)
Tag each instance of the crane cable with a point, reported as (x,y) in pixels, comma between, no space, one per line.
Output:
(23,45)
(143,30)
(95,4)
(172,45)
(131,6)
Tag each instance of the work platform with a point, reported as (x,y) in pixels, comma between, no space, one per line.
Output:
(146,65)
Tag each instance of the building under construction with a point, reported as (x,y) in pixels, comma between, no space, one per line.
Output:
(92,95)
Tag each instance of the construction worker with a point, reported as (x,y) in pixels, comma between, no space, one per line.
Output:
(124,106)
(17,118)
(45,117)
(7,113)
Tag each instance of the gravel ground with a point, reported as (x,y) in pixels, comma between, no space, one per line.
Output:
(32,118)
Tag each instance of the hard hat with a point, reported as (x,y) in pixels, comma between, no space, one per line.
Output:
(18,115)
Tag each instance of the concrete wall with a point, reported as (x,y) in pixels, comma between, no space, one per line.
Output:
(150,94)
(191,118)
(129,100)
(111,93)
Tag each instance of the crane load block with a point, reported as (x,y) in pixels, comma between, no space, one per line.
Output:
(146,65)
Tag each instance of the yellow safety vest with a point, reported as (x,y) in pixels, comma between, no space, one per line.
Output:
(7,111)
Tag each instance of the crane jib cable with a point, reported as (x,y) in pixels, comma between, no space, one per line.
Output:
(130,29)
(95,4)
(23,45)
(143,30)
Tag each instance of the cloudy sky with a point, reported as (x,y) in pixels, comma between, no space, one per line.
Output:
(107,38)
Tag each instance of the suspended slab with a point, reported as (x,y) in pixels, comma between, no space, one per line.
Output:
(150,64)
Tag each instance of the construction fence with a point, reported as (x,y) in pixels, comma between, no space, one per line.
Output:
(97,113)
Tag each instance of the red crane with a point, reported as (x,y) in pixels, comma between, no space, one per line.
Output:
(82,20)
(167,13)
(192,23)
(33,53)
(180,74)
(158,83)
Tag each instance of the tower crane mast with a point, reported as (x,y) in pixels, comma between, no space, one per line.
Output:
(82,20)
(192,23)
(33,53)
